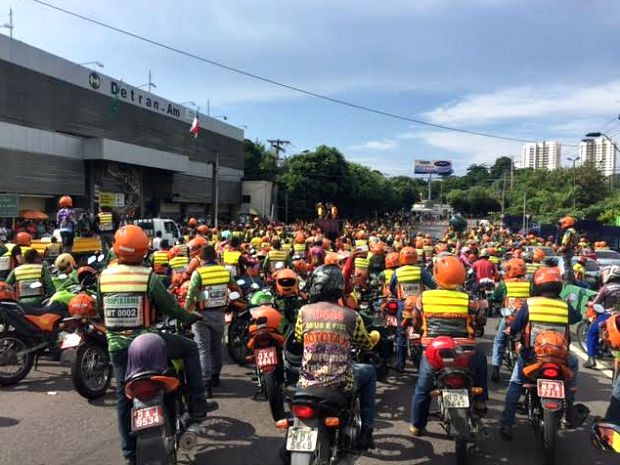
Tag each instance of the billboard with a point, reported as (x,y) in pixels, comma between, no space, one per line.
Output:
(440,167)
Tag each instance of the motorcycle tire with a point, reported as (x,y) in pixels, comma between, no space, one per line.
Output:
(273,390)
(460,450)
(320,457)
(91,371)
(151,448)
(10,344)
(237,348)
(582,334)
(550,435)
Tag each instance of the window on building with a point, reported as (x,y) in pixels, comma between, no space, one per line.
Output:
(246,199)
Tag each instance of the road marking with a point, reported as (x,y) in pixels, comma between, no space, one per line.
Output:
(607,370)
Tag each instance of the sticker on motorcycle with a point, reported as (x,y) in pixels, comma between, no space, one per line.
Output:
(301,439)
(390,320)
(455,398)
(266,357)
(148,417)
(70,341)
(550,388)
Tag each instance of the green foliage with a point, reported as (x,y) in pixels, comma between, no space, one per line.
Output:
(259,163)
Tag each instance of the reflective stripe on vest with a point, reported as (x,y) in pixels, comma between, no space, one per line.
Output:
(409,281)
(361,243)
(286,247)
(179,263)
(25,275)
(160,257)
(124,292)
(533,267)
(299,248)
(388,273)
(213,274)
(446,313)
(231,257)
(124,278)
(105,221)
(440,301)
(361,263)
(545,310)
(495,260)
(277,255)
(518,289)
(184,249)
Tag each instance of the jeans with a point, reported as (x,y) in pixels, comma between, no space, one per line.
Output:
(107,240)
(516,382)
(499,343)
(178,347)
(400,341)
(366,381)
(67,240)
(421,400)
(208,335)
(567,258)
(592,335)
(613,411)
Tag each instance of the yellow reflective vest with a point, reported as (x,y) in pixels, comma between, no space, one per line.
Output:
(409,281)
(231,257)
(214,280)
(105,222)
(179,264)
(123,290)
(446,313)
(546,315)
(361,263)
(25,275)
(517,289)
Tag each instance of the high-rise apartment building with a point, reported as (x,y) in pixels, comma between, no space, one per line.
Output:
(601,152)
(542,155)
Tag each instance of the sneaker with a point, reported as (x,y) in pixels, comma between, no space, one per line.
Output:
(591,363)
(506,432)
(495,374)
(416,431)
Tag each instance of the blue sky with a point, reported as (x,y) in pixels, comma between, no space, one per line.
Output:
(528,69)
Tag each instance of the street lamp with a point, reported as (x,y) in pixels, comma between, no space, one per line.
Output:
(574,160)
(96,63)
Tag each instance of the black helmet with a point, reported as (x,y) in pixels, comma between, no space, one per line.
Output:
(326,283)
(458,223)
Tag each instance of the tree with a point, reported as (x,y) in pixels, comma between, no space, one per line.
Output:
(501,167)
(259,162)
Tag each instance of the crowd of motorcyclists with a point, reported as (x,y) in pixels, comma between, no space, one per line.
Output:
(376,296)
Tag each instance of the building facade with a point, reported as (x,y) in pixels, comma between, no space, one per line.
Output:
(601,152)
(65,129)
(542,155)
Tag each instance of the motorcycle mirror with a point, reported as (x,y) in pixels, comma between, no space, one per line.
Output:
(598,308)
(241,282)
(36,285)
(92,259)
(62,276)
(100,258)
(279,266)
(234,295)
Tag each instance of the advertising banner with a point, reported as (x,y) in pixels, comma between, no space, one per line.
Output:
(440,167)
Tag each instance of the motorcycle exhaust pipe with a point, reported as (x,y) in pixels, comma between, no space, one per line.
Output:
(40,346)
(188,441)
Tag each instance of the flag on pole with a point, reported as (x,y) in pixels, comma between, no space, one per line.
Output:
(195,128)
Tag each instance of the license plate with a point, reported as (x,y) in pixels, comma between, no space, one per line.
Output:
(70,341)
(301,439)
(390,320)
(266,357)
(455,398)
(148,417)
(550,388)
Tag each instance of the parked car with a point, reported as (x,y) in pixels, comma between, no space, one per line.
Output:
(169,229)
(607,257)
(549,252)
(593,272)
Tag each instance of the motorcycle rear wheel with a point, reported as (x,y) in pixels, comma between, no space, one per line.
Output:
(460,450)
(582,332)
(91,371)
(550,436)
(10,344)
(273,390)
(237,348)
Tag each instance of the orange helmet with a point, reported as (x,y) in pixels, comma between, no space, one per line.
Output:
(516,253)
(7,292)
(176,251)
(539,255)
(612,331)
(65,202)
(408,256)
(515,268)
(449,272)
(83,305)
(300,238)
(441,248)
(301,266)
(131,244)
(272,316)
(203,229)
(361,235)
(286,282)
(192,222)
(419,243)
(566,222)
(392,260)
(551,344)
(195,245)
(23,238)
(377,248)
(331,258)
(547,280)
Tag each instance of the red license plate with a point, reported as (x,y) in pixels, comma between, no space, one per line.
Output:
(550,389)
(390,320)
(411,334)
(147,417)
(266,357)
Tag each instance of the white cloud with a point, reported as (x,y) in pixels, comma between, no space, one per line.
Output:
(378,145)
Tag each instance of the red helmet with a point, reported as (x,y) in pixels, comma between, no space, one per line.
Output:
(65,202)
(442,348)
(547,280)
(195,245)
(7,292)
(83,305)
(23,238)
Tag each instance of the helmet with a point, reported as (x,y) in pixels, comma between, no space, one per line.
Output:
(286,282)
(361,235)
(261,298)
(301,266)
(443,348)
(23,238)
(325,283)
(527,256)
(551,344)
(83,305)
(449,272)
(539,255)
(484,253)
(547,281)
(332,258)
(64,262)
(612,332)
(131,244)
(203,229)
(458,223)
(408,256)
(392,260)
(192,222)
(195,245)
(377,248)
(7,292)
(566,222)
(360,277)
(65,202)
(611,273)
(176,251)
(515,268)
(87,275)
(272,319)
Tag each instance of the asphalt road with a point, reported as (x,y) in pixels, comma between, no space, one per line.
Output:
(44,421)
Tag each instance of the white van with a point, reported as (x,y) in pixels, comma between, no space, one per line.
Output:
(169,229)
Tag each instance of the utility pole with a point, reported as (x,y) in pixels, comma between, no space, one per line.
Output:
(503,193)
(512,171)
(524,204)
(215,190)
(278,145)
(430,177)
(10,25)
(151,85)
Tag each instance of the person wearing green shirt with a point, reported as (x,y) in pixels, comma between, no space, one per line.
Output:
(24,279)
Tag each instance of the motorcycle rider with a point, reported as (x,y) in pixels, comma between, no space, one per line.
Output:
(446,311)
(567,241)
(544,310)
(274,256)
(579,272)
(52,251)
(612,336)
(66,219)
(106,224)
(208,290)
(512,291)
(609,298)
(32,271)
(484,268)
(328,331)
(65,264)
(136,290)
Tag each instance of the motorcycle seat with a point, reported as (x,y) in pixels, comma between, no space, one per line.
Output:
(38,310)
(325,396)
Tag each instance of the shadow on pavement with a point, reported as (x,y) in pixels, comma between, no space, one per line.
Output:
(7,422)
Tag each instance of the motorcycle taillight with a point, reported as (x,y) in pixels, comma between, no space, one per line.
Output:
(143,389)
(454,381)
(304,411)
(391,308)
(550,370)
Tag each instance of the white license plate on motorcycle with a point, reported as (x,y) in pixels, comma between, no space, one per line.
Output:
(266,357)
(550,388)
(147,417)
(390,320)
(301,439)
(70,341)
(455,398)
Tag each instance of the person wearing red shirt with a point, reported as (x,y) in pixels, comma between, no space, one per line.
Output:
(484,268)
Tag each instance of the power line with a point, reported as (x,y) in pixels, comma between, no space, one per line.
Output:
(278,83)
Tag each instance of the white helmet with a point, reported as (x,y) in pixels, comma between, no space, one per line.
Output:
(611,273)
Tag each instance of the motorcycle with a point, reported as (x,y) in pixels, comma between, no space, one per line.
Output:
(455,391)
(511,352)
(486,290)
(592,312)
